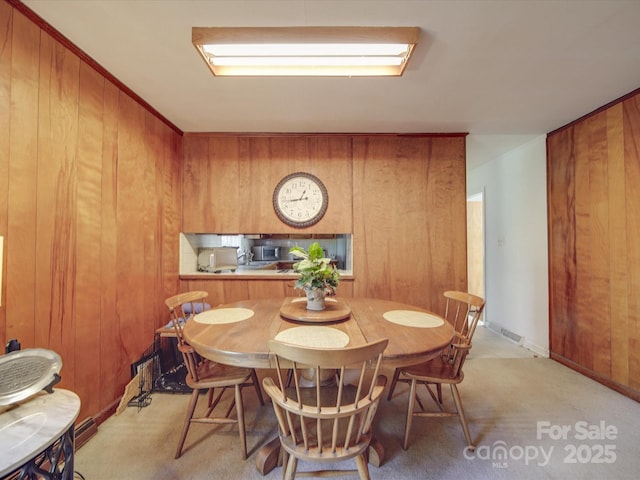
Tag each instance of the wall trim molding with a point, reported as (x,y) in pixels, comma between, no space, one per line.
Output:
(607,382)
(596,111)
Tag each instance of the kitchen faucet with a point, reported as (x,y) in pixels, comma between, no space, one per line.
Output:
(248,256)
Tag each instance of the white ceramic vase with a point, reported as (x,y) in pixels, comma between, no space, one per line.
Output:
(315,298)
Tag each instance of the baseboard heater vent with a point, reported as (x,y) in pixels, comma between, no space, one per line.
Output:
(513,336)
(85,431)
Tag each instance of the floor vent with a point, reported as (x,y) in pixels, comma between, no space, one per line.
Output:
(85,431)
(513,336)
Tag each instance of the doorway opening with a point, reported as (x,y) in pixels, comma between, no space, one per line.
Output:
(475,246)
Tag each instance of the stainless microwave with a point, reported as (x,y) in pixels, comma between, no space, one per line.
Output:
(262,253)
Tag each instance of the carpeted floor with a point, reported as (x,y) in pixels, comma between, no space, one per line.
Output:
(531,418)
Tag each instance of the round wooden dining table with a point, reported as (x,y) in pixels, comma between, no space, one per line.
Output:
(238,334)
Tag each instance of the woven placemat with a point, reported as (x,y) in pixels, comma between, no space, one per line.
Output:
(223,315)
(314,336)
(411,318)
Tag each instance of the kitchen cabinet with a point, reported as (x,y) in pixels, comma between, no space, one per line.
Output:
(224,290)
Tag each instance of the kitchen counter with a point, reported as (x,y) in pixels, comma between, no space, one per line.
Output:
(252,274)
(277,270)
(280,270)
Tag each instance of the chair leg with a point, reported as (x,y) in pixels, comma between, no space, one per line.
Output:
(363,469)
(256,384)
(241,427)
(410,407)
(392,387)
(463,419)
(292,466)
(433,396)
(213,402)
(284,460)
(187,422)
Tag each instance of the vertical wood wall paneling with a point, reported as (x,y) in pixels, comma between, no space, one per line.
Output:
(112,354)
(230,188)
(617,208)
(562,254)
(20,243)
(88,176)
(153,222)
(6,35)
(632,169)
(582,330)
(389,236)
(447,183)
(409,242)
(171,211)
(594,260)
(599,273)
(130,215)
(89,315)
(195,184)
(57,210)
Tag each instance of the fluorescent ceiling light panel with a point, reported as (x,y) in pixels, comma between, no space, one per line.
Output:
(305,51)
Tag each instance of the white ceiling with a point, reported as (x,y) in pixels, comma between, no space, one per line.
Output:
(504,71)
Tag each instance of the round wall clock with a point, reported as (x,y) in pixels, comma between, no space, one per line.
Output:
(300,199)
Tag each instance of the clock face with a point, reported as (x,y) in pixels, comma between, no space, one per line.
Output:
(300,199)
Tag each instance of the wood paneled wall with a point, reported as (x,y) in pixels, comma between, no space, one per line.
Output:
(402,197)
(409,204)
(90,197)
(594,255)
(229,180)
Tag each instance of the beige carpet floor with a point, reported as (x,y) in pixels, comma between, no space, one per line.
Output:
(531,418)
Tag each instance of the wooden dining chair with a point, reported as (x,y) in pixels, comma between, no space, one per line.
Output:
(463,311)
(203,374)
(326,423)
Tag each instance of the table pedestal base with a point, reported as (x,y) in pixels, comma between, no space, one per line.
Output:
(268,457)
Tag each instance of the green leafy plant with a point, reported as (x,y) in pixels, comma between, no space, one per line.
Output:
(316,271)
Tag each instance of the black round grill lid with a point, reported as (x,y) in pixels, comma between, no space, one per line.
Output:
(25,372)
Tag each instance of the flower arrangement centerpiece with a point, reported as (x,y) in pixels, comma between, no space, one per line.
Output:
(318,275)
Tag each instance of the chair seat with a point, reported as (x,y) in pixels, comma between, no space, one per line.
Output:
(216,375)
(435,370)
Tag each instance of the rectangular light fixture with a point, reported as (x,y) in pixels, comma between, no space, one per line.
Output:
(306,51)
